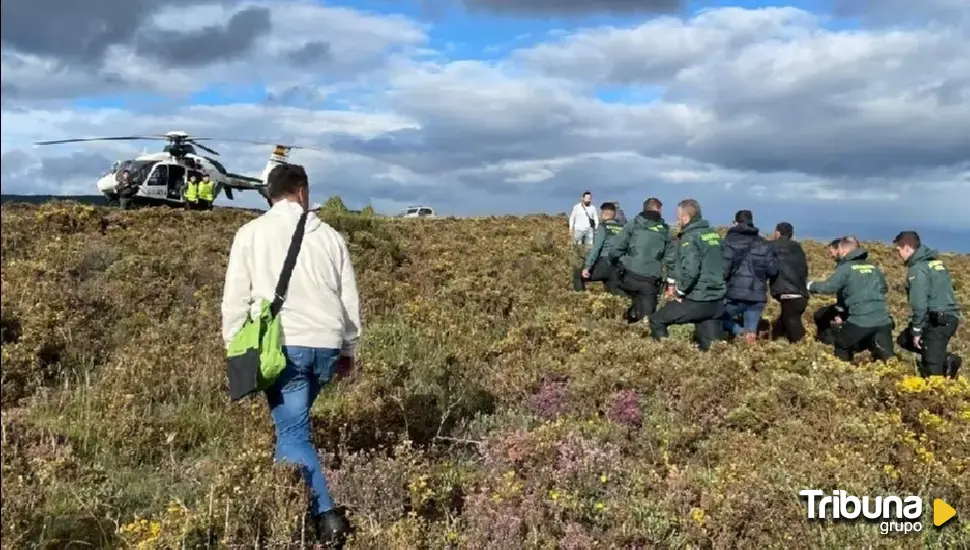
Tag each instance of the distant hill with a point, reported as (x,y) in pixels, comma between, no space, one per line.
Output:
(40,199)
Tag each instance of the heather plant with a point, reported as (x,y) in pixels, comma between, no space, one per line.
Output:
(493,407)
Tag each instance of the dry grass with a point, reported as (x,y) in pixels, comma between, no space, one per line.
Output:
(494,407)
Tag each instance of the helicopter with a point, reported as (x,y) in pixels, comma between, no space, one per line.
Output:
(161,177)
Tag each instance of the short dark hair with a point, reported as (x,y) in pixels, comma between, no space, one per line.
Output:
(608,206)
(586,193)
(744,217)
(285,179)
(835,243)
(691,207)
(653,203)
(907,238)
(785,229)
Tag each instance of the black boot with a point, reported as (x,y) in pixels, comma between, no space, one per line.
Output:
(952,365)
(632,314)
(333,527)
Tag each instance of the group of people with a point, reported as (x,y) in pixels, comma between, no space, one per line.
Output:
(198,195)
(721,285)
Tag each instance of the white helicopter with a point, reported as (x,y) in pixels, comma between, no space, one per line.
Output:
(161,177)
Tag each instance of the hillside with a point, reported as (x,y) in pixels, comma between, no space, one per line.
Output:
(493,407)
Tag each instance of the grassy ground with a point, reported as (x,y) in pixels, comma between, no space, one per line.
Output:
(493,407)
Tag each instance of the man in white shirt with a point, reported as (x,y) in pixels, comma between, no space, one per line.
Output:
(583,220)
(319,322)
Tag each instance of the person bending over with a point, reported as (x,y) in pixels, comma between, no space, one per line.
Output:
(862,285)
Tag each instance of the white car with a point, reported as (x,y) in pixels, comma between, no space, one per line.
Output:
(417,212)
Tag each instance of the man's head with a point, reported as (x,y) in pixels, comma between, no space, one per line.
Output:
(743,217)
(587,198)
(125,174)
(289,181)
(687,210)
(607,211)
(906,244)
(784,230)
(191,178)
(846,245)
(833,248)
(652,204)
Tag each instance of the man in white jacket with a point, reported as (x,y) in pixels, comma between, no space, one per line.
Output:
(583,220)
(319,321)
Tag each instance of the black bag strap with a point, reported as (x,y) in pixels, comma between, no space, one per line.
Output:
(288,264)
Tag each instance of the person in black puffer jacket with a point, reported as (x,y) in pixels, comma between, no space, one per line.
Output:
(749,261)
(789,285)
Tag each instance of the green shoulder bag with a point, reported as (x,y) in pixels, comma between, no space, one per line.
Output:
(254,358)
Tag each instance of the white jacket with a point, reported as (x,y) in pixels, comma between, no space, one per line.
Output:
(578,220)
(321,308)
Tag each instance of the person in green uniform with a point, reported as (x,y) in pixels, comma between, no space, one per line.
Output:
(598,266)
(862,289)
(644,251)
(935,312)
(699,287)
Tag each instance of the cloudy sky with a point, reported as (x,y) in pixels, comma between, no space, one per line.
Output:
(837,115)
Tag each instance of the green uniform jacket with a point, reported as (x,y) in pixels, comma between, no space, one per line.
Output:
(860,287)
(929,287)
(699,275)
(603,238)
(644,247)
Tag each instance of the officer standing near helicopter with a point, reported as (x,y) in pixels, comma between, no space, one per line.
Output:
(126,189)
(205,196)
(191,194)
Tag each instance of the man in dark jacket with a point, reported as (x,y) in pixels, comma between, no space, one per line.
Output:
(698,280)
(862,287)
(644,251)
(748,263)
(126,189)
(598,265)
(788,285)
(935,310)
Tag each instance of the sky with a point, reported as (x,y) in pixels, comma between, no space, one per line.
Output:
(835,115)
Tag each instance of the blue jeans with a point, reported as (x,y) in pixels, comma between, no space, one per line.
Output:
(750,312)
(290,400)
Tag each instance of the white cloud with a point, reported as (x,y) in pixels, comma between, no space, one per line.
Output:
(763,107)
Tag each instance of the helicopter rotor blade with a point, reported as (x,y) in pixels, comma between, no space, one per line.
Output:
(203,147)
(257,142)
(115,138)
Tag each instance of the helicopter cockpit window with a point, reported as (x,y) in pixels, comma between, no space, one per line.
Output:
(424,212)
(137,169)
(159,176)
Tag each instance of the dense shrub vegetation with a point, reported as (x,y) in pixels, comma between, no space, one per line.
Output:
(493,407)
